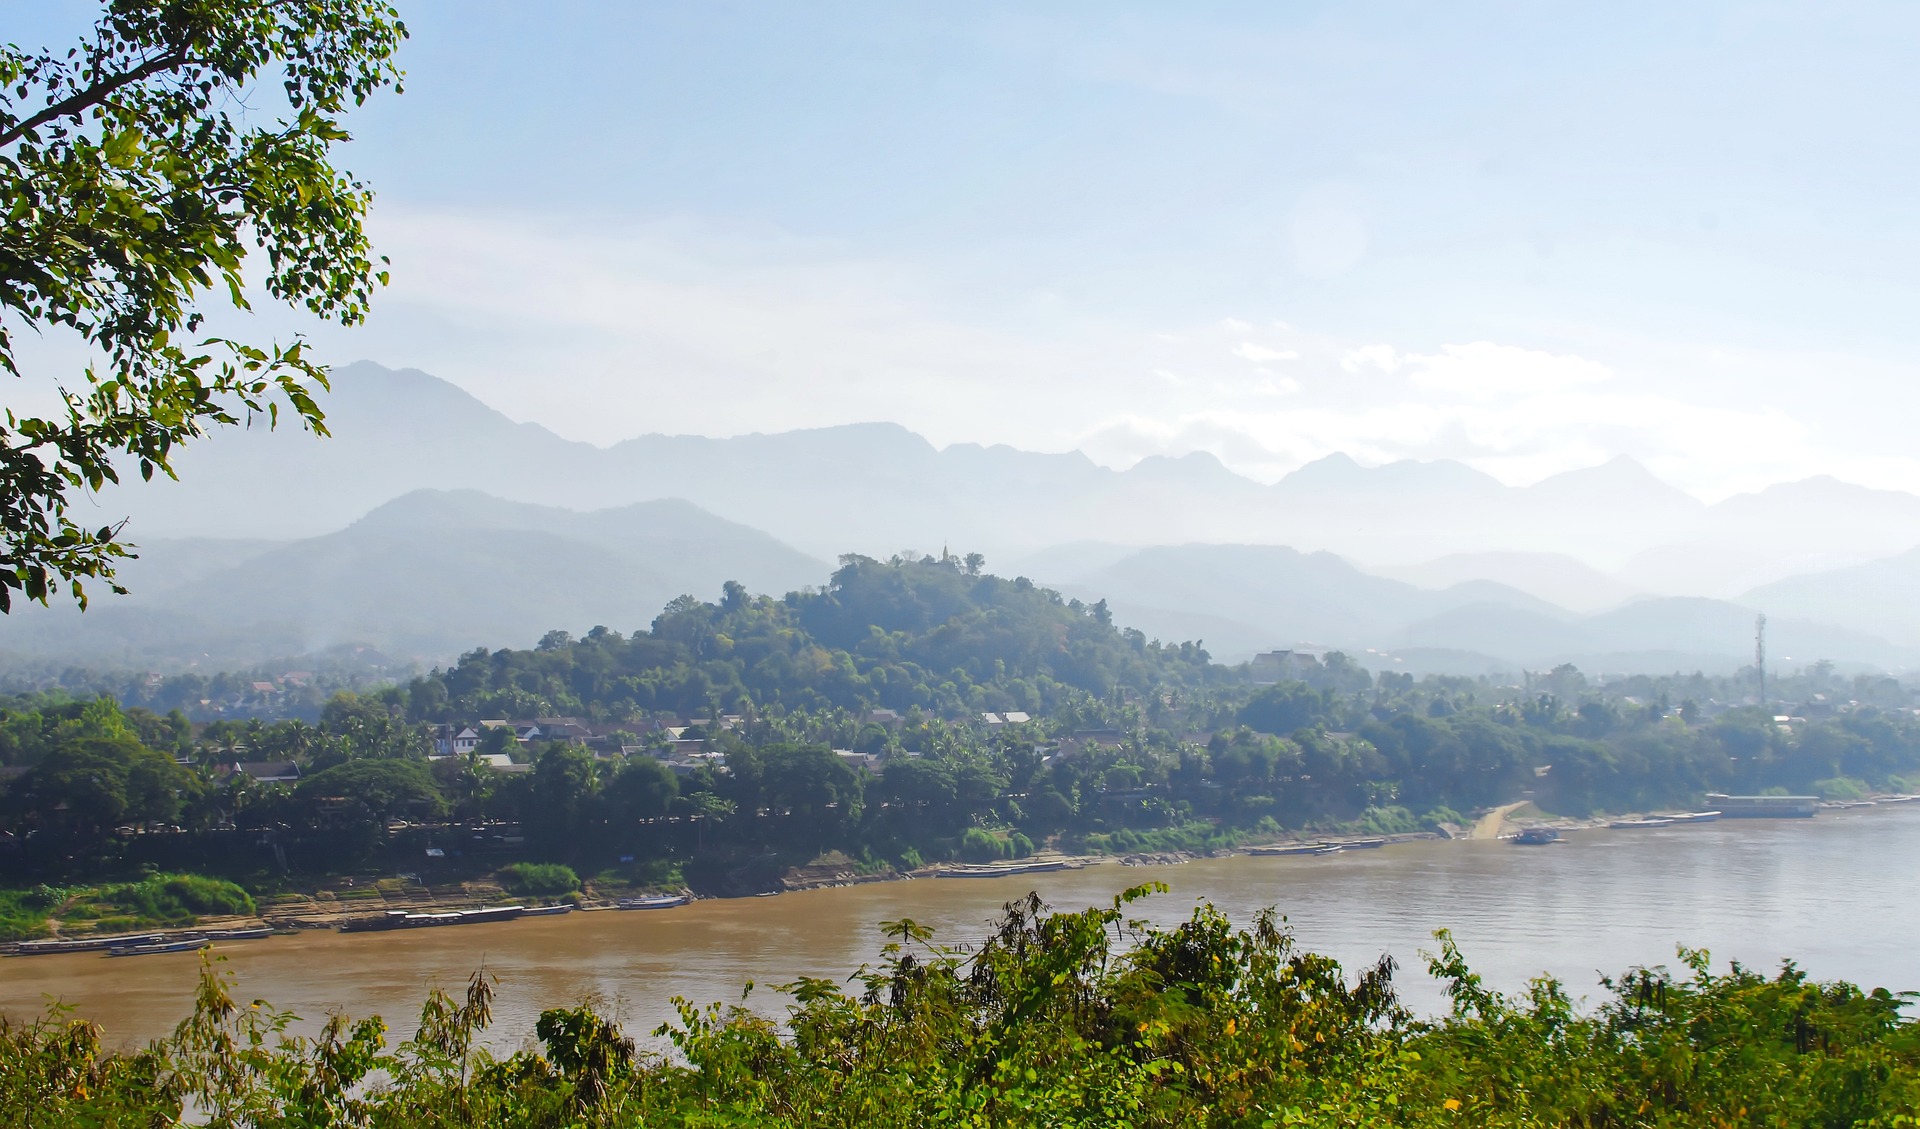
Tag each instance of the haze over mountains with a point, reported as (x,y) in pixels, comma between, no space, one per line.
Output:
(428,575)
(430,523)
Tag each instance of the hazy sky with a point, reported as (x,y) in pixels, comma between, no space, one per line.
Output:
(1527,236)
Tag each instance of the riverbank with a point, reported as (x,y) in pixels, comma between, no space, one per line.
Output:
(330,908)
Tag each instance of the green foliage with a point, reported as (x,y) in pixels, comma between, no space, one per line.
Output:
(979,845)
(1057,1019)
(23,915)
(1389,820)
(1283,708)
(649,874)
(1840,788)
(158,900)
(137,171)
(177,899)
(376,790)
(538,879)
(1153,749)
(902,635)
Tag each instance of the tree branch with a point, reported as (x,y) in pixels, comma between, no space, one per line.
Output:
(92,95)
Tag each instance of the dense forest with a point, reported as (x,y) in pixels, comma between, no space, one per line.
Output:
(735,738)
(1058,1019)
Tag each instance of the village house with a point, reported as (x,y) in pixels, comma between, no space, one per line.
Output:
(869,761)
(262,772)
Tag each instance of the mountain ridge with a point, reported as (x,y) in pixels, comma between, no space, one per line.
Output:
(878,487)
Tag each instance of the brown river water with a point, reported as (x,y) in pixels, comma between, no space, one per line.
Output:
(1837,893)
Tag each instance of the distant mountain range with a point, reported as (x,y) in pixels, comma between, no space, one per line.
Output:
(430,523)
(1242,598)
(434,573)
(877,489)
(426,576)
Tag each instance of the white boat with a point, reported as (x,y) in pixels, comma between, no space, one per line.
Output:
(662,901)
(1637,824)
(1002,870)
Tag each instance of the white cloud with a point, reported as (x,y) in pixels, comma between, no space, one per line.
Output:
(1383,357)
(604,332)
(1260,354)
(1483,370)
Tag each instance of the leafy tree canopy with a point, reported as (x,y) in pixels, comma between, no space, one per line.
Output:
(137,170)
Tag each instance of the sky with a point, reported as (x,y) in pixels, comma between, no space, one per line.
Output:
(1528,237)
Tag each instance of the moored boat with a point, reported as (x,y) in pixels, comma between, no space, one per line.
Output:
(85,944)
(1638,824)
(1363,844)
(1536,837)
(252,934)
(186,945)
(1289,849)
(662,901)
(1764,807)
(1328,849)
(547,911)
(1693,816)
(491,913)
(1003,870)
(401,919)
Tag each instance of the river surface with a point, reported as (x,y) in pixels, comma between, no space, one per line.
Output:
(1838,894)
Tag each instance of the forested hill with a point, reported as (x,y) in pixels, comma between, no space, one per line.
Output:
(939,634)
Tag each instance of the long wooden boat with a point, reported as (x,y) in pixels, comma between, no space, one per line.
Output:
(1641,824)
(1363,844)
(84,944)
(1008,870)
(1290,849)
(1693,816)
(1536,837)
(547,911)
(1764,807)
(401,919)
(660,901)
(185,945)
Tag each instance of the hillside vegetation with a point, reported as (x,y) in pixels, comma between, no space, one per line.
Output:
(739,737)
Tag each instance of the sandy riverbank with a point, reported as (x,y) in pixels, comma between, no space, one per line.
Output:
(1494,824)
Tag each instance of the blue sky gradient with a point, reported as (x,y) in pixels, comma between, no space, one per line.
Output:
(1532,237)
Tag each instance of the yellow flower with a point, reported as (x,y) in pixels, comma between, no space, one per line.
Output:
(1231,1027)
(1453,1104)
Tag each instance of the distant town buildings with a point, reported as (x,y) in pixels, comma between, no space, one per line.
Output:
(1270,667)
